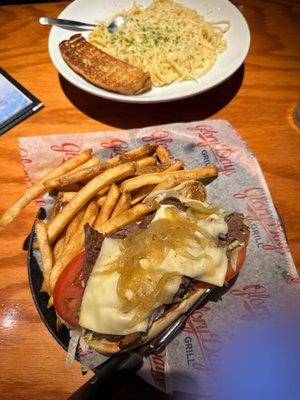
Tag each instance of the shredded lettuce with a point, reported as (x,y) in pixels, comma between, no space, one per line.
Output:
(222,213)
(247,222)
(83,344)
(234,244)
(74,339)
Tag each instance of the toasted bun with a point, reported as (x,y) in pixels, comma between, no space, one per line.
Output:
(192,189)
(175,311)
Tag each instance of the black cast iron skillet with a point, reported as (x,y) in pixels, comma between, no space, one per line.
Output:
(115,365)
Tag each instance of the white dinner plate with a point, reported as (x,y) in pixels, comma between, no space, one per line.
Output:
(238,42)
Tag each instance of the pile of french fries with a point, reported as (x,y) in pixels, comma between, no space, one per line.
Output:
(107,195)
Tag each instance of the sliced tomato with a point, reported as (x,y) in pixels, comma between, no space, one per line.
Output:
(230,271)
(69,290)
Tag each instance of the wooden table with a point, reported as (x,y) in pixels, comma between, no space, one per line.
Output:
(258,100)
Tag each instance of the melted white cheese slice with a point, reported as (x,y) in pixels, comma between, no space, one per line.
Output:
(214,224)
(100,308)
(199,269)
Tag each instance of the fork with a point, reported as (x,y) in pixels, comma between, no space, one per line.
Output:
(76,25)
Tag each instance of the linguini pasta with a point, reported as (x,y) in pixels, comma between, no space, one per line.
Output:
(171,42)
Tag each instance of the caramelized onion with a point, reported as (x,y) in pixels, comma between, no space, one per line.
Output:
(142,251)
(158,295)
(200,210)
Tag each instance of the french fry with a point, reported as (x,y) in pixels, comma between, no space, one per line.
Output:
(38,188)
(108,206)
(103,190)
(132,155)
(67,196)
(56,206)
(85,174)
(82,174)
(59,246)
(74,245)
(148,169)
(73,226)
(65,236)
(168,183)
(123,204)
(144,162)
(69,165)
(85,194)
(92,161)
(89,216)
(155,178)
(129,216)
(101,200)
(141,194)
(46,253)
(73,187)
(144,191)
(162,154)
(175,167)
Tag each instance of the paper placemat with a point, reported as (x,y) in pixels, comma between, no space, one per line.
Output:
(268,273)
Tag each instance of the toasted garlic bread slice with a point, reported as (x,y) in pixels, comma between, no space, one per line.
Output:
(103,70)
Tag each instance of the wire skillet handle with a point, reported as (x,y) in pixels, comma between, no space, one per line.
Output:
(160,342)
(123,363)
(132,361)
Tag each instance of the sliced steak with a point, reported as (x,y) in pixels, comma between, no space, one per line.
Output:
(122,233)
(92,244)
(237,230)
(125,341)
(146,221)
(173,201)
(110,338)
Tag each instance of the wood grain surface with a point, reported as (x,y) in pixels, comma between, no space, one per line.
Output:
(258,100)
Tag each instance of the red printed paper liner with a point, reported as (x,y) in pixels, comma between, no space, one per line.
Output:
(269,275)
